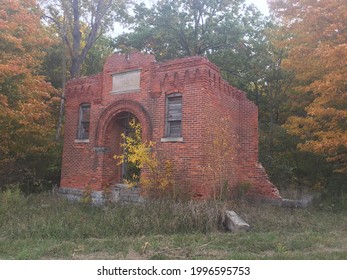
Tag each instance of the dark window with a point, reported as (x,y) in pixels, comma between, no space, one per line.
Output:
(174,115)
(83,124)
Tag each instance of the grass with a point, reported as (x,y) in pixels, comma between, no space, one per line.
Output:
(47,227)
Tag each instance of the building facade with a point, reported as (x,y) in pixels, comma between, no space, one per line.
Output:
(205,127)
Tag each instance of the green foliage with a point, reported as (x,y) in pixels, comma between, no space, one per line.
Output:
(52,65)
(32,173)
(286,166)
(292,169)
(97,55)
(241,190)
(11,196)
(172,29)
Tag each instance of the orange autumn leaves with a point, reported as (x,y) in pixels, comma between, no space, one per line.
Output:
(315,35)
(26,119)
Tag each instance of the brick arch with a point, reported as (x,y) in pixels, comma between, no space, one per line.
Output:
(118,107)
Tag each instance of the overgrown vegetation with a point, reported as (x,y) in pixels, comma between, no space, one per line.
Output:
(220,150)
(145,165)
(47,227)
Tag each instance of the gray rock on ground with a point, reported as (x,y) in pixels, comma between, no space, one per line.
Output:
(235,223)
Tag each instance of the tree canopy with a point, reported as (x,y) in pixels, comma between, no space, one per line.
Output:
(179,28)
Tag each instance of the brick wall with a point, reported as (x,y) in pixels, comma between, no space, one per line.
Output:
(219,126)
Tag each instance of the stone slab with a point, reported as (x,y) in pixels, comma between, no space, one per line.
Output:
(126,82)
(119,193)
(235,223)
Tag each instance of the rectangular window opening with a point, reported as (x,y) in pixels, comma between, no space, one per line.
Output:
(174,116)
(84,120)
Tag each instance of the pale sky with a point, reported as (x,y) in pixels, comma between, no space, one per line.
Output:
(261,5)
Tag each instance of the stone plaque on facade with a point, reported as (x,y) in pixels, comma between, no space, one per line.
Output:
(126,82)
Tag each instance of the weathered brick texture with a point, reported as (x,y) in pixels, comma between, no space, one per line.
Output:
(219,126)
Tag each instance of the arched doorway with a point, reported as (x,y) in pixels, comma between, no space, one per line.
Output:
(126,122)
(111,124)
(118,127)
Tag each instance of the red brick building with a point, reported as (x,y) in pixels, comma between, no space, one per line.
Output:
(204,126)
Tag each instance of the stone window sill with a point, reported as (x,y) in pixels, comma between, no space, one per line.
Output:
(125,91)
(81,140)
(171,139)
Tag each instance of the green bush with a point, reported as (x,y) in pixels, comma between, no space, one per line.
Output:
(11,196)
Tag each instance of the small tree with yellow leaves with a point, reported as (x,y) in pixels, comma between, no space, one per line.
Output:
(150,174)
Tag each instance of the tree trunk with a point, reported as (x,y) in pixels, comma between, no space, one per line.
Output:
(62,100)
(76,43)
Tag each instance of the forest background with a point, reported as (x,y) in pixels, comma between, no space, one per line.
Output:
(291,63)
